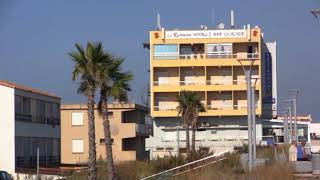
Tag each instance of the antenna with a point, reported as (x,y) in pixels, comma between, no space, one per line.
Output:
(158,22)
(232,19)
(213,16)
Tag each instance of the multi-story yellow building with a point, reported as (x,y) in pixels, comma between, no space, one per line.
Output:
(211,63)
(128,131)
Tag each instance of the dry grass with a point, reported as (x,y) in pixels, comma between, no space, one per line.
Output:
(224,170)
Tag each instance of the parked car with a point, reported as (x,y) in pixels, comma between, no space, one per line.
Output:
(4,175)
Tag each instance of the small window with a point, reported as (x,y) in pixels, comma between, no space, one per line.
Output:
(110,114)
(159,149)
(77,119)
(214,132)
(77,146)
(169,149)
(183,150)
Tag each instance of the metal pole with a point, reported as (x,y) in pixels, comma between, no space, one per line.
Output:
(178,141)
(295,117)
(290,116)
(248,79)
(285,128)
(254,138)
(38,162)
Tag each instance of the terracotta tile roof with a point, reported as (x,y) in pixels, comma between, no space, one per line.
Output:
(25,88)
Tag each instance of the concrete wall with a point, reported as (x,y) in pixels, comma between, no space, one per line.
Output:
(7,132)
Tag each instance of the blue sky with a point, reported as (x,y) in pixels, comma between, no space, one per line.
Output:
(35,37)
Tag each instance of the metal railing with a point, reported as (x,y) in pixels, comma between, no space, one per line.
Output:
(170,172)
(208,55)
(192,56)
(209,107)
(199,82)
(165,108)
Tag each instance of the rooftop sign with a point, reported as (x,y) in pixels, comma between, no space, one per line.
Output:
(232,33)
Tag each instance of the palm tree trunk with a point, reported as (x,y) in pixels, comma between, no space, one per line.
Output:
(92,166)
(188,142)
(193,139)
(107,138)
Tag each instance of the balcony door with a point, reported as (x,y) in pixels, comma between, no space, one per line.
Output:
(189,78)
(163,78)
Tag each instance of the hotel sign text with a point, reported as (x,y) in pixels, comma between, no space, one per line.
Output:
(206,34)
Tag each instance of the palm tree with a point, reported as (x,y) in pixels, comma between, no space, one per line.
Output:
(189,107)
(87,67)
(115,84)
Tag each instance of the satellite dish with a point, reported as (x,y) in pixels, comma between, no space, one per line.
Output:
(221,25)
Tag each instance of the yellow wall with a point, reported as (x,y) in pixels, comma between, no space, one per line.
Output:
(209,70)
(119,131)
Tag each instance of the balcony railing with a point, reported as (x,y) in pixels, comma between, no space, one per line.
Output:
(209,107)
(192,56)
(165,108)
(208,55)
(200,82)
(192,82)
(176,83)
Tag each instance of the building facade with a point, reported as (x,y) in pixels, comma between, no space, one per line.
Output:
(128,132)
(30,120)
(209,62)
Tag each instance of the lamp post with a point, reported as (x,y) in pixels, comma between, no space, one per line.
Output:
(247,73)
(295,111)
(285,125)
(316,13)
(289,103)
(253,112)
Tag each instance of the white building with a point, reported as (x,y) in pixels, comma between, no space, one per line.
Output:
(29,119)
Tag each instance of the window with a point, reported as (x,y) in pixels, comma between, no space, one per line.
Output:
(165,51)
(110,114)
(219,50)
(77,119)
(77,146)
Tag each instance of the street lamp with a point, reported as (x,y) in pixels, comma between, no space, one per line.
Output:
(289,103)
(316,13)
(253,105)
(247,72)
(295,110)
(285,125)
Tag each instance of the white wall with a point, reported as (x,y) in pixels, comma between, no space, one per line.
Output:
(7,137)
(228,134)
(315,128)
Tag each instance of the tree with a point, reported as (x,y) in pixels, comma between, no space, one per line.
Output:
(87,68)
(115,84)
(189,107)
